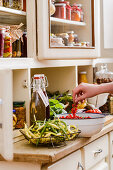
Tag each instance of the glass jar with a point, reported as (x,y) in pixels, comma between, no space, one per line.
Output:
(75,38)
(71,38)
(8,3)
(17,4)
(104,75)
(7,46)
(76,13)
(24,45)
(60,11)
(2,34)
(18,48)
(14,49)
(1,2)
(52,8)
(39,100)
(65,38)
(83,77)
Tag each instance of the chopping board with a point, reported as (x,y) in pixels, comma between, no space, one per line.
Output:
(109,119)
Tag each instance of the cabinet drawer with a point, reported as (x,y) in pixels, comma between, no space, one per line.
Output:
(68,163)
(96,151)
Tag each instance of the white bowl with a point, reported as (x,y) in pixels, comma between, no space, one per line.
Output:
(98,100)
(88,127)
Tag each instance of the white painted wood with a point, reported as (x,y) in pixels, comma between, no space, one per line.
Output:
(92,159)
(57,21)
(108,23)
(19,165)
(111,150)
(44,52)
(4,11)
(68,163)
(6,137)
(101,166)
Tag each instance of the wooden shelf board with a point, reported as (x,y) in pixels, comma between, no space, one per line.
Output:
(58,21)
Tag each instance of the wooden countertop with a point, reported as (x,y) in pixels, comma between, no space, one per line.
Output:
(23,151)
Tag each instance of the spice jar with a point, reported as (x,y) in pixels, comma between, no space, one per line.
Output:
(76,13)
(1,2)
(2,34)
(39,100)
(83,77)
(71,38)
(60,10)
(7,45)
(8,3)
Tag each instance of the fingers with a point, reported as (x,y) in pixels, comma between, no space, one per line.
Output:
(76,92)
(80,98)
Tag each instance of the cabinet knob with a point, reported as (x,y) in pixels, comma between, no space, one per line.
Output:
(80,166)
(98,152)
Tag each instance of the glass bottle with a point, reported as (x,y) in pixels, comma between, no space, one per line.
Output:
(24,45)
(39,99)
(1,2)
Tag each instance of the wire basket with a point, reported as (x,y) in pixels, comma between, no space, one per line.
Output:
(53,141)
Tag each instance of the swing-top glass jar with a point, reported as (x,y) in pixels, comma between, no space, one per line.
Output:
(39,100)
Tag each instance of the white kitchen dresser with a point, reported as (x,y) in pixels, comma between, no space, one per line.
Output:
(62,75)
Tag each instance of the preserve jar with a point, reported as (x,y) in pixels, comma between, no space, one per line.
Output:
(24,45)
(7,45)
(8,3)
(18,48)
(2,34)
(71,38)
(1,2)
(104,75)
(76,13)
(83,77)
(39,101)
(75,38)
(60,10)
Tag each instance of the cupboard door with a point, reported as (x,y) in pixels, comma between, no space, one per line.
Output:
(71,162)
(6,128)
(57,37)
(101,166)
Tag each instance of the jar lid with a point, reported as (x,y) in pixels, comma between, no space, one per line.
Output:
(59,1)
(70,32)
(38,76)
(60,4)
(83,72)
(75,35)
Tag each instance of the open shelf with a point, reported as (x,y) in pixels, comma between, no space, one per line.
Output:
(16,16)
(58,21)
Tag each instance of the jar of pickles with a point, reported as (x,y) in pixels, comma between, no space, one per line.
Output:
(60,10)
(83,77)
(2,34)
(7,45)
(8,3)
(17,4)
(1,2)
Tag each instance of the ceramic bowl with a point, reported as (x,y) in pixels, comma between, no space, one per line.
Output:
(88,127)
(98,100)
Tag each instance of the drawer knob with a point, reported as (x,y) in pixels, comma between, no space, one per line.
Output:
(80,166)
(97,152)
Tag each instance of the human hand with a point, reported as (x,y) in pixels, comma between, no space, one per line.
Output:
(85,90)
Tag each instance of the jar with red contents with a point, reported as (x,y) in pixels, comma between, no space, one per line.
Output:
(76,13)
(68,9)
(60,10)
(2,35)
